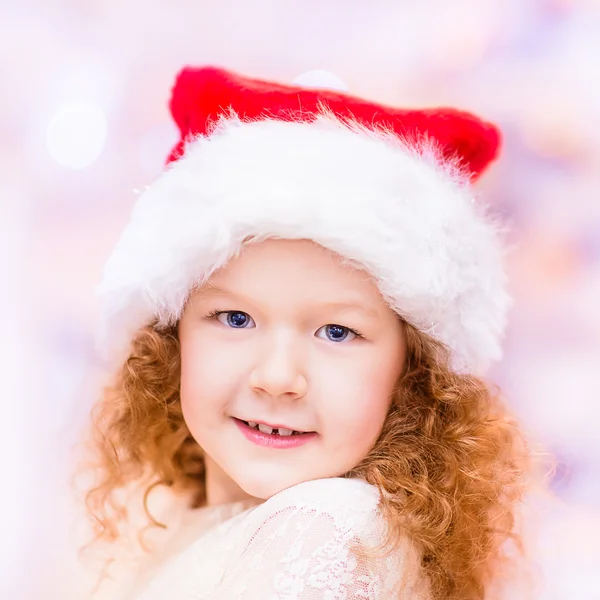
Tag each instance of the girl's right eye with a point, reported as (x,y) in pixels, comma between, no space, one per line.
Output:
(235,319)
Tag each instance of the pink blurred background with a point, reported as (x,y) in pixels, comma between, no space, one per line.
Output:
(84,122)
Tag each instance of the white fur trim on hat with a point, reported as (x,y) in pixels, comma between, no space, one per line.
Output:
(392,209)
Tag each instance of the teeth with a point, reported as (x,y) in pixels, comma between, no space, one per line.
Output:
(265,428)
(270,430)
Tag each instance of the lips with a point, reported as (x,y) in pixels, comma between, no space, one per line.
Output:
(279,437)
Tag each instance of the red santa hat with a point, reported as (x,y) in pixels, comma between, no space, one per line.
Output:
(387,189)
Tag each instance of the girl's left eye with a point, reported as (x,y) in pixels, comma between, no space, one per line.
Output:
(235,319)
(337,333)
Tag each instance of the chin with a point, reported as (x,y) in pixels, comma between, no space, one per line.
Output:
(266,484)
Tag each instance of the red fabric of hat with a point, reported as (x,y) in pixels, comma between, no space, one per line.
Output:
(202,95)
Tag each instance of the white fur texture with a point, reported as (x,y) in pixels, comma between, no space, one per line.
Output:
(391,209)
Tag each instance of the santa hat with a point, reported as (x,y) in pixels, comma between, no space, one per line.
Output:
(387,189)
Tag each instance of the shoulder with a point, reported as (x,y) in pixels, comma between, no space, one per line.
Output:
(335,510)
(334,488)
(337,504)
(317,538)
(336,495)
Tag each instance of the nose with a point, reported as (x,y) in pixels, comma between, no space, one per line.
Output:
(278,372)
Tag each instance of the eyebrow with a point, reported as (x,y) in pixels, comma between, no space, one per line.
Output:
(214,290)
(350,306)
(210,289)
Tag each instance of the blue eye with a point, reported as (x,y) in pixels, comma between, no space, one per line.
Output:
(337,333)
(235,319)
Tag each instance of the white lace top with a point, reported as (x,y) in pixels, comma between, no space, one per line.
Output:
(298,545)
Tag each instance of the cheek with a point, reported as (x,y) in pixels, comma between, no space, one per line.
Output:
(357,407)
(204,379)
(361,418)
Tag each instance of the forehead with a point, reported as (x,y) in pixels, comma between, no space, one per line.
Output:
(300,268)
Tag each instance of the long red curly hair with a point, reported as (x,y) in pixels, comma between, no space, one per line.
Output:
(452,461)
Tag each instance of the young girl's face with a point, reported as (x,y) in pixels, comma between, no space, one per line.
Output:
(286,336)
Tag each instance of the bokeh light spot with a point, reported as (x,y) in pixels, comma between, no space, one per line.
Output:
(76,135)
(321,79)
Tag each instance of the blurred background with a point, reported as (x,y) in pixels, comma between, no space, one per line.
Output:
(84,86)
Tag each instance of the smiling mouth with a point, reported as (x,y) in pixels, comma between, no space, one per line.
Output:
(281,431)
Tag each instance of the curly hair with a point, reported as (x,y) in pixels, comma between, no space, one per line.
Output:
(451,462)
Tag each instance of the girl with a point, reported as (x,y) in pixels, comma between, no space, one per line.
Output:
(300,311)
